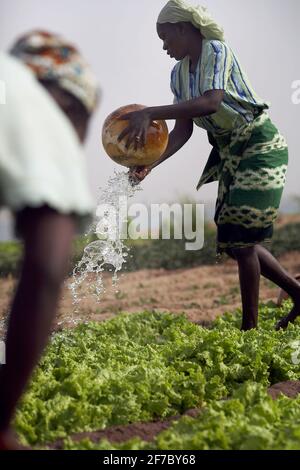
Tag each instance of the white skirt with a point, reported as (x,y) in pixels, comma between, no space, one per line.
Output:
(41,157)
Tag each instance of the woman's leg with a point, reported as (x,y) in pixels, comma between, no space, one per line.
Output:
(47,241)
(249,274)
(272,270)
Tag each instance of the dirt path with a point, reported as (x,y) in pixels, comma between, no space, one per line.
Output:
(202,293)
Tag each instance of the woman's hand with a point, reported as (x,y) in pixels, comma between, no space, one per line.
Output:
(136,131)
(138,173)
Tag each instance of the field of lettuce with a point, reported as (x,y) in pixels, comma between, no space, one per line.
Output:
(151,366)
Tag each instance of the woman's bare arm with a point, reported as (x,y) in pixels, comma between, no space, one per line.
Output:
(181,133)
(139,121)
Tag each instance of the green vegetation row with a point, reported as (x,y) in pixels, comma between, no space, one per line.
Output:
(250,420)
(156,254)
(147,366)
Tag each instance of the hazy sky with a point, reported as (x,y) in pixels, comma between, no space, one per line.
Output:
(118,37)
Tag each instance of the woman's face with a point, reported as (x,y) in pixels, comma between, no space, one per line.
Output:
(174,40)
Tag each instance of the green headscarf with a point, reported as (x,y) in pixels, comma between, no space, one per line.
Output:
(176,11)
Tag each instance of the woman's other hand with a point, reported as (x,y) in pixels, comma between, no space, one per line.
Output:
(138,173)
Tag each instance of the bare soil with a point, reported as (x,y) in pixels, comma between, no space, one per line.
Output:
(291,389)
(202,293)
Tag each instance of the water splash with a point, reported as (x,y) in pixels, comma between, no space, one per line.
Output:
(109,250)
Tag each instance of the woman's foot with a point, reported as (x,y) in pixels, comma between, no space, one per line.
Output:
(290,318)
(295,312)
(8,441)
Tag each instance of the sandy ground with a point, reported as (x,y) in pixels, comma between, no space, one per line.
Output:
(202,293)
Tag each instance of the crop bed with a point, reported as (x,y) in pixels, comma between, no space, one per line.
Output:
(148,368)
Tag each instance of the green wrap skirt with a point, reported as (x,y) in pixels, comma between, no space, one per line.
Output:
(250,165)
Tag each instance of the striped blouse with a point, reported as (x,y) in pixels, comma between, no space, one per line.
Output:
(218,69)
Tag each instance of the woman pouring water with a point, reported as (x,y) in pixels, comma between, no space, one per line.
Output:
(249,156)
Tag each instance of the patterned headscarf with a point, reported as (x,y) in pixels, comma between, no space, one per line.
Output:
(176,11)
(53,58)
